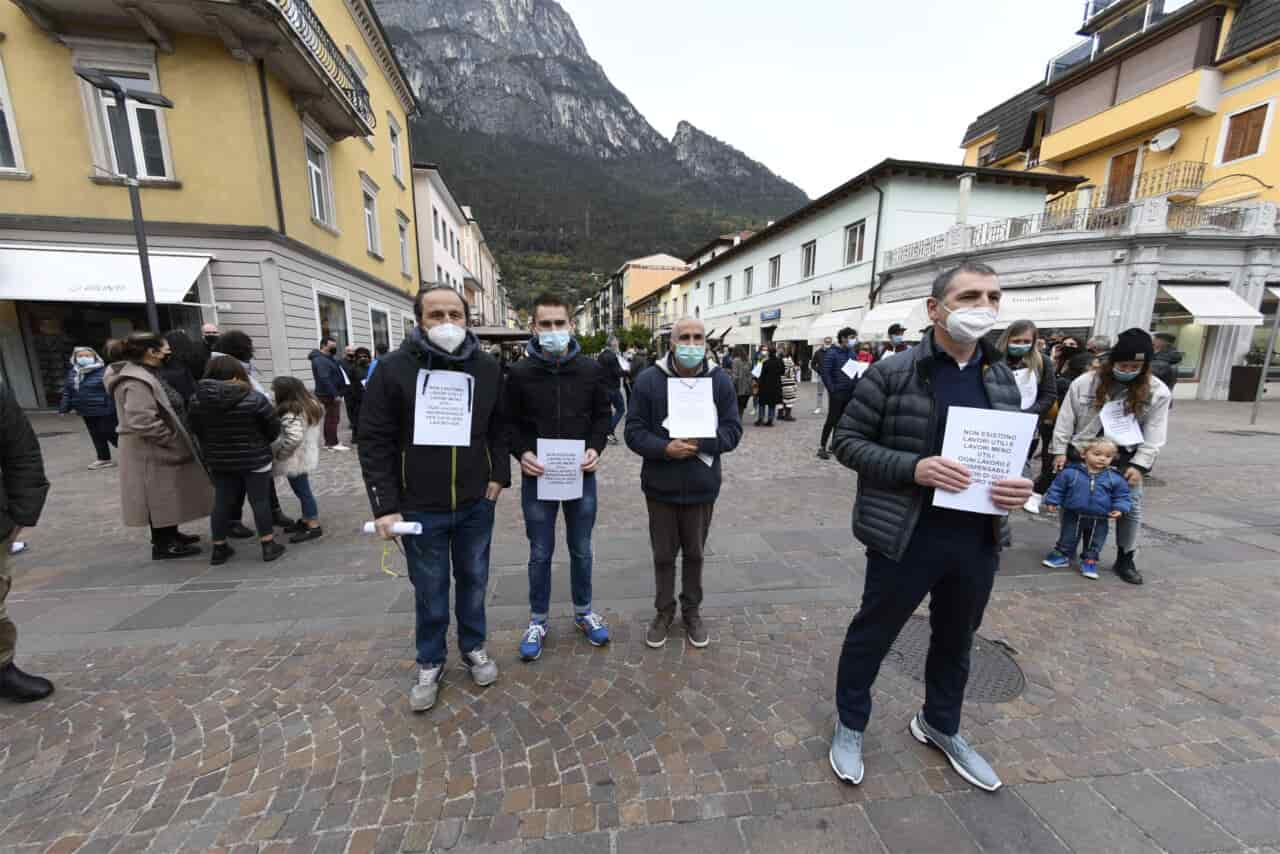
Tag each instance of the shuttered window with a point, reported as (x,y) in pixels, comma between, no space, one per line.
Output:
(1244,133)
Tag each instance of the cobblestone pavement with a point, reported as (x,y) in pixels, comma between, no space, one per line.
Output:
(256,707)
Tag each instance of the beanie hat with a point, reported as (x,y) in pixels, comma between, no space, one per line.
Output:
(1133,345)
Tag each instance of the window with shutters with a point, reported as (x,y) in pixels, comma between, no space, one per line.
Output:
(748,280)
(987,154)
(10,151)
(142,126)
(808,259)
(1245,133)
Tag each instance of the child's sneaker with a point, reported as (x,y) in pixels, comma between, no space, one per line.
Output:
(531,643)
(1056,560)
(592,625)
(1089,569)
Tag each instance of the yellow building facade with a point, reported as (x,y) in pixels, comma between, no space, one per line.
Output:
(283,165)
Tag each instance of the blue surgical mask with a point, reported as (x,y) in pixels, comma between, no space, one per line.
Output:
(1124,376)
(853,345)
(84,361)
(690,355)
(895,340)
(1019,349)
(555,342)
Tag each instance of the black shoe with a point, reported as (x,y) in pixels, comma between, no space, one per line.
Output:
(1126,570)
(187,539)
(222,552)
(282,521)
(824,454)
(613,439)
(22,687)
(172,551)
(302,534)
(768,424)
(237,530)
(759,422)
(271,550)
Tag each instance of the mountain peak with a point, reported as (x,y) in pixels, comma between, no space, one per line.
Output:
(710,159)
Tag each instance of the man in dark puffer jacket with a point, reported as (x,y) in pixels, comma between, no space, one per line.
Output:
(891,435)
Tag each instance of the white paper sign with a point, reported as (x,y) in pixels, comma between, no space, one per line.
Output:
(561,460)
(757,370)
(442,412)
(854,369)
(1119,426)
(691,408)
(1028,385)
(624,363)
(993,445)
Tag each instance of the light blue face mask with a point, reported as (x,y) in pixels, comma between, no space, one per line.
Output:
(1124,376)
(553,342)
(895,340)
(84,361)
(1019,349)
(690,356)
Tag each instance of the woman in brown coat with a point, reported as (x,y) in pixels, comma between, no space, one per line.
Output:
(162,483)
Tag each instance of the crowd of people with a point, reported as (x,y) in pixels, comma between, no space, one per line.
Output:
(438,423)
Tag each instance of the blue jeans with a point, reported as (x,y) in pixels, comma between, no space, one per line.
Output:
(301,486)
(764,411)
(619,408)
(464,536)
(1093,529)
(540,525)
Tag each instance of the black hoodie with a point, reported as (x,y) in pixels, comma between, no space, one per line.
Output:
(234,424)
(402,477)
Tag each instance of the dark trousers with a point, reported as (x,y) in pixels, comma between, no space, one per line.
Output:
(619,409)
(353,416)
(743,399)
(957,573)
(272,497)
(102,430)
(229,489)
(1045,480)
(164,535)
(1077,526)
(838,403)
(676,529)
(332,414)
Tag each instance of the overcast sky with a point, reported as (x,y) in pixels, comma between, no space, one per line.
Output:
(819,90)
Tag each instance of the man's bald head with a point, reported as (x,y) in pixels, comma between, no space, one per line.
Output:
(689,330)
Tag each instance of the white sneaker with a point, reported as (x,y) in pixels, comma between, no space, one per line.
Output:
(1033,503)
(102,464)
(817,411)
(484,670)
(422,696)
(339,447)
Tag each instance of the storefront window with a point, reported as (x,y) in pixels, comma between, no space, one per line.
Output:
(1192,338)
(333,319)
(381,328)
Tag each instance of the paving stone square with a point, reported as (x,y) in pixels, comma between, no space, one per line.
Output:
(263,707)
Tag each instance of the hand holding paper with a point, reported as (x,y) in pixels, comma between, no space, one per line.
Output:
(991,447)
(562,469)
(691,408)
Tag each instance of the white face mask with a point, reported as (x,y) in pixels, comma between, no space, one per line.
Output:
(967,325)
(447,336)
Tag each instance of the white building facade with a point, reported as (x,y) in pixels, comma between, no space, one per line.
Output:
(442,228)
(810,273)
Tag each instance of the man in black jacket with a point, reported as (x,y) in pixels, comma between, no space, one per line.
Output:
(355,367)
(433,449)
(613,374)
(680,476)
(556,393)
(891,435)
(23,488)
(330,385)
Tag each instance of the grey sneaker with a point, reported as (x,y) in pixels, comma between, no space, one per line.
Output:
(656,637)
(968,763)
(694,630)
(423,694)
(484,670)
(846,754)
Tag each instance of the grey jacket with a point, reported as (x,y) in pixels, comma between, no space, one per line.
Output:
(889,427)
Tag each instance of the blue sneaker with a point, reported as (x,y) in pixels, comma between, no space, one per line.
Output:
(592,625)
(531,644)
(1056,560)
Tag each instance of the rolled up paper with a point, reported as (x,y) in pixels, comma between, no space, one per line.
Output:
(399,528)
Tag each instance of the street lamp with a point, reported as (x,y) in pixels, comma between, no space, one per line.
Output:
(123,144)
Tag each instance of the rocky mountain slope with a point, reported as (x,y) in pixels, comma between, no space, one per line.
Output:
(562,170)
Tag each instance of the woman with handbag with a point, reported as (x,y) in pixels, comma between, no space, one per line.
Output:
(162,481)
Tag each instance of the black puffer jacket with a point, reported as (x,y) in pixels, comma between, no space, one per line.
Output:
(564,399)
(235,425)
(889,427)
(23,486)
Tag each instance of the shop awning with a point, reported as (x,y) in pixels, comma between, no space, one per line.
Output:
(80,274)
(793,329)
(716,333)
(910,313)
(1067,306)
(742,335)
(827,325)
(1214,305)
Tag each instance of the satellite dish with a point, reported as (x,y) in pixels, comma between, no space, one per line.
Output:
(1165,139)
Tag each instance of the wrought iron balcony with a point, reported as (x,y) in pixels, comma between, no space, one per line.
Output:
(308,28)
(1191,216)
(1170,178)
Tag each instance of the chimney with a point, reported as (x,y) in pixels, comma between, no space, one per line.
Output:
(962,201)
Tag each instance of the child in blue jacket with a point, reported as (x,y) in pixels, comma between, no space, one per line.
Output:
(1090,494)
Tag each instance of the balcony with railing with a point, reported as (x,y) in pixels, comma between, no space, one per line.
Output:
(324,52)
(1059,224)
